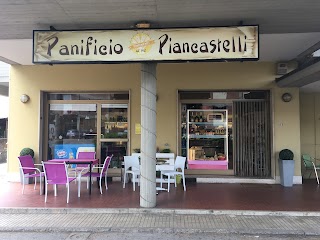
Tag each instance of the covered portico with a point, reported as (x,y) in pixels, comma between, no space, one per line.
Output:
(285,33)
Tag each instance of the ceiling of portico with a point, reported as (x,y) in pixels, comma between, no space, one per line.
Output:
(287,27)
(20,17)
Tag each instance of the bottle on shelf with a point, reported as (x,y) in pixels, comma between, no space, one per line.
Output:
(204,117)
(196,118)
(200,118)
(191,117)
(215,156)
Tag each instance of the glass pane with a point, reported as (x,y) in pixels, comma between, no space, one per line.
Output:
(118,149)
(72,128)
(3,128)
(114,120)
(3,140)
(225,95)
(183,130)
(206,135)
(90,96)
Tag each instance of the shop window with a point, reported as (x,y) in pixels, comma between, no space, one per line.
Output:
(208,137)
(71,126)
(88,96)
(206,131)
(232,95)
(117,149)
(114,121)
(88,125)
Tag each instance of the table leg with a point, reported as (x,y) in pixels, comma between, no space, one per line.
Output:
(90,178)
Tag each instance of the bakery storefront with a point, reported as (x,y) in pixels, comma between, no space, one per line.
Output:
(215,103)
(226,133)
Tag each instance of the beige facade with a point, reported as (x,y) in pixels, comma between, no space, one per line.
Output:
(24,122)
(310,125)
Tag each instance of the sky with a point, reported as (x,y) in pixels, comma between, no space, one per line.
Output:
(4,107)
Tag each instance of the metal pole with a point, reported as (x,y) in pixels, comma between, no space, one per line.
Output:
(148,135)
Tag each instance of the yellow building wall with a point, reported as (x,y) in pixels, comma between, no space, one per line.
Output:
(310,125)
(287,126)
(24,118)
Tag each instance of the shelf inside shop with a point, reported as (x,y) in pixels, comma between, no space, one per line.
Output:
(206,136)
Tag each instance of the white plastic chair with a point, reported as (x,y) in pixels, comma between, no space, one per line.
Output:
(179,164)
(131,166)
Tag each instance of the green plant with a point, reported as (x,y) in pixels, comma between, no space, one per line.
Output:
(286,154)
(27,151)
(136,150)
(115,135)
(166,150)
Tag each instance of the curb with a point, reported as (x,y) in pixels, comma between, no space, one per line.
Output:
(306,224)
(274,232)
(156,211)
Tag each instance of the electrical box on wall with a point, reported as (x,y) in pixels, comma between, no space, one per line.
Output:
(282,68)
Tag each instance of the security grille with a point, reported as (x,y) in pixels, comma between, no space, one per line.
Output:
(252,138)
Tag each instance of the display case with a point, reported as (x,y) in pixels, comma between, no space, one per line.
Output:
(207,139)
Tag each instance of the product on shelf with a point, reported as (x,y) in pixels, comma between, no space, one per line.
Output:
(207,138)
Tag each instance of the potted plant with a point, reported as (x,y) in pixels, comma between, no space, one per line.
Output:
(136,150)
(286,165)
(27,151)
(166,150)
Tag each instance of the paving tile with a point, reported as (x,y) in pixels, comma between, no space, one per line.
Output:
(203,196)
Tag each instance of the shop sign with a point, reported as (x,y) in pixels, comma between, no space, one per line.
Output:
(140,45)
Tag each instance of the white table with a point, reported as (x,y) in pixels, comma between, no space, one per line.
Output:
(167,165)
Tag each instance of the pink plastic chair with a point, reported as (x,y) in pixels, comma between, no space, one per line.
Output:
(28,170)
(56,174)
(84,155)
(100,175)
(83,167)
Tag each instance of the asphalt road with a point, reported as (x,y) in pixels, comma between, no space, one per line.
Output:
(142,236)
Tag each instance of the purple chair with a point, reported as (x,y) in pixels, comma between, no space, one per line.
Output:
(56,174)
(28,170)
(80,168)
(84,167)
(100,175)
(86,155)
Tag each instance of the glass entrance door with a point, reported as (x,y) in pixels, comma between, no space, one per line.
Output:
(87,122)
(114,133)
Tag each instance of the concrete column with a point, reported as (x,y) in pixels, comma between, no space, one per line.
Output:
(148,135)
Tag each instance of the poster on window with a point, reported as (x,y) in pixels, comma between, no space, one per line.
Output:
(70,151)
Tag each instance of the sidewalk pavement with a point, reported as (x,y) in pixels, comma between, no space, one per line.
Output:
(159,221)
